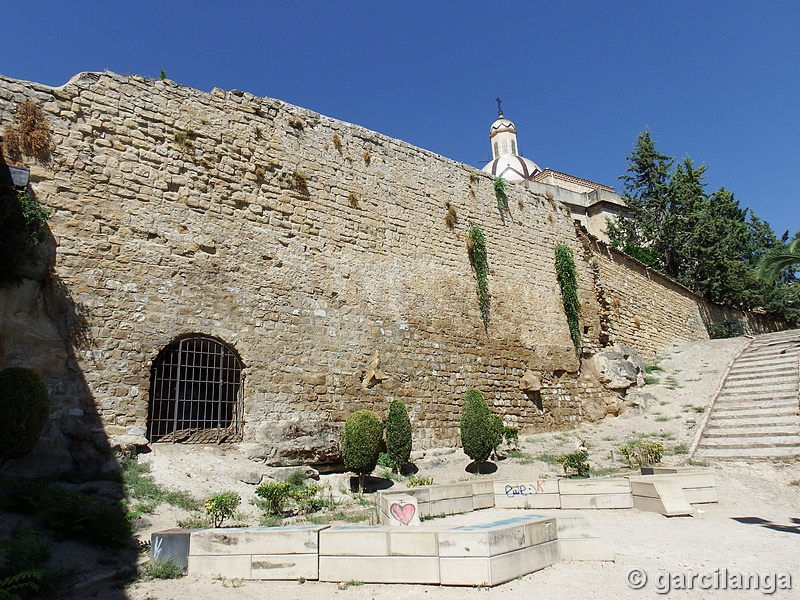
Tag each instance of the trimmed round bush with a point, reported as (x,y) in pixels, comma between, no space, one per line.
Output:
(361,443)
(24,408)
(398,434)
(477,429)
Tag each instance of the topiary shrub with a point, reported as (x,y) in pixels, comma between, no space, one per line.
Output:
(361,444)
(478,434)
(398,434)
(24,408)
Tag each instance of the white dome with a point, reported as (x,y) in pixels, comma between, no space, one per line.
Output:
(512,168)
(500,126)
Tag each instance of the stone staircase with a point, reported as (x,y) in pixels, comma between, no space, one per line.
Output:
(756,413)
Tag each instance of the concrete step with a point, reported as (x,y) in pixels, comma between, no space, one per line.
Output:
(753,431)
(765,360)
(761,377)
(771,352)
(760,391)
(765,404)
(783,453)
(744,413)
(764,420)
(789,441)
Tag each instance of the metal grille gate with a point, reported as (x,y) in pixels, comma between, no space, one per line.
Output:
(195,393)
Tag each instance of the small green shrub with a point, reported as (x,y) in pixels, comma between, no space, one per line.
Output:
(20,585)
(478,435)
(415,481)
(139,484)
(70,514)
(726,328)
(222,506)
(194,522)
(361,443)
(680,449)
(642,453)
(24,408)
(575,464)
(160,569)
(386,461)
(23,558)
(511,435)
(275,495)
(296,478)
(398,434)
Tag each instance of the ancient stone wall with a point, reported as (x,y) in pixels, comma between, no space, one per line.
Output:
(647,311)
(313,249)
(306,245)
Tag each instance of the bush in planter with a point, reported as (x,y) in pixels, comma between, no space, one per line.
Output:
(361,443)
(24,408)
(477,431)
(398,434)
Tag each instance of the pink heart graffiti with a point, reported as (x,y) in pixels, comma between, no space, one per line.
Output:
(403,512)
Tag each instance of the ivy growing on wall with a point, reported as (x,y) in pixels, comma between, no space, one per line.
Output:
(568,282)
(22,230)
(476,247)
(500,193)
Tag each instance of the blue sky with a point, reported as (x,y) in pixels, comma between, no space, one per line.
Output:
(717,80)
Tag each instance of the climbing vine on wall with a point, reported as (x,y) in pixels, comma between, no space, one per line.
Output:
(500,193)
(476,247)
(568,282)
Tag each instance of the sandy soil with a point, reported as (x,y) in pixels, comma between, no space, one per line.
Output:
(712,539)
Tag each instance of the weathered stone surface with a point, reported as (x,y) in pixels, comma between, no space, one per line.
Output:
(293,443)
(618,368)
(530,382)
(248,235)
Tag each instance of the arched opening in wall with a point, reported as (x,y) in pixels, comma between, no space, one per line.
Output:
(195,393)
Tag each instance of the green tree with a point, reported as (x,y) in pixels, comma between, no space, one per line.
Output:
(398,434)
(781,261)
(361,444)
(645,190)
(706,242)
(478,436)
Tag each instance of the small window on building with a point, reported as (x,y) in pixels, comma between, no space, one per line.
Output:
(195,393)
(496,153)
(513,147)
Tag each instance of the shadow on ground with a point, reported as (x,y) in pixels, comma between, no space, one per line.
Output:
(793,528)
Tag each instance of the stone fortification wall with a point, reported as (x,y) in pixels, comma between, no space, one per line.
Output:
(647,311)
(306,245)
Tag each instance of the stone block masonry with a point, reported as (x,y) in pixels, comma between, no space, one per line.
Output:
(305,245)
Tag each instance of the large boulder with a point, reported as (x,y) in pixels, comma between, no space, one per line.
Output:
(618,368)
(297,443)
